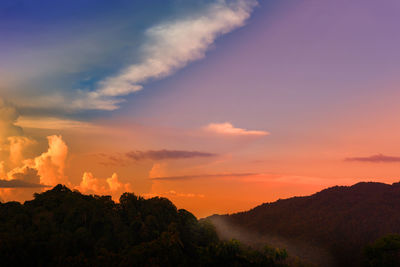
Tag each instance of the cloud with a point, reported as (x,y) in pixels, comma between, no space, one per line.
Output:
(173,193)
(110,186)
(46,169)
(19,184)
(227,128)
(167,154)
(25,174)
(52,123)
(154,155)
(17,145)
(379,158)
(189,177)
(8,117)
(51,164)
(170,46)
(158,170)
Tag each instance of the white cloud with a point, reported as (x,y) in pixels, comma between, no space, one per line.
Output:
(170,46)
(227,128)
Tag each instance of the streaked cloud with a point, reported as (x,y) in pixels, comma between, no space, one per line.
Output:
(173,193)
(153,155)
(20,184)
(189,177)
(167,154)
(227,128)
(170,46)
(52,123)
(379,158)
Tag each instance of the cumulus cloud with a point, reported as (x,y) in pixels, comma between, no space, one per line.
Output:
(45,169)
(375,159)
(25,174)
(51,164)
(227,128)
(110,186)
(17,145)
(170,46)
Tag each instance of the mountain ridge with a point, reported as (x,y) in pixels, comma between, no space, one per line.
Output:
(341,220)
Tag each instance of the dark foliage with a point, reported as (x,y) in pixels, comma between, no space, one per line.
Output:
(61,227)
(341,219)
(384,252)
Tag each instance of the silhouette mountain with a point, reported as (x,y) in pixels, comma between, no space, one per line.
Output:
(61,227)
(341,220)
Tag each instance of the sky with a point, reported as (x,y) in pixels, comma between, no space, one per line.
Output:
(218,105)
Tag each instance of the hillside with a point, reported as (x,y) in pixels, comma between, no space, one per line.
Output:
(61,227)
(340,221)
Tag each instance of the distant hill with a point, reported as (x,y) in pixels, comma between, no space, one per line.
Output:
(340,221)
(61,227)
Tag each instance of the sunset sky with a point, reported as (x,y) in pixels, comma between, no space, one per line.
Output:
(218,105)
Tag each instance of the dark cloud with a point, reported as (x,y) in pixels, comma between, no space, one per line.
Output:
(19,184)
(28,175)
(188,177)
(375,159)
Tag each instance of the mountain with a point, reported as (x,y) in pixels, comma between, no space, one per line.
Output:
(61,227)
(331,227)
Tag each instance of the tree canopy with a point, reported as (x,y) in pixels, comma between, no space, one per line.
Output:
(61,227)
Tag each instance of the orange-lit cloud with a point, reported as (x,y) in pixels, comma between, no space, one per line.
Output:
(110,186)
(227,128)
(51,164)
(17,145)
(158,170)
(8,117)
(52,123)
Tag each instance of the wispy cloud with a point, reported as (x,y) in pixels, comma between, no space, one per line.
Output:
(170,46)
(167,154)
(53,123)
(189,177)
(227,128)
(379,158)
(173,193)
(153,155)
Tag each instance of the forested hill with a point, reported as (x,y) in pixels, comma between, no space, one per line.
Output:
(61,227)
(342,219)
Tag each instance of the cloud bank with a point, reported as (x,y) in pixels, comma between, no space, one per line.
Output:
(170,46)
